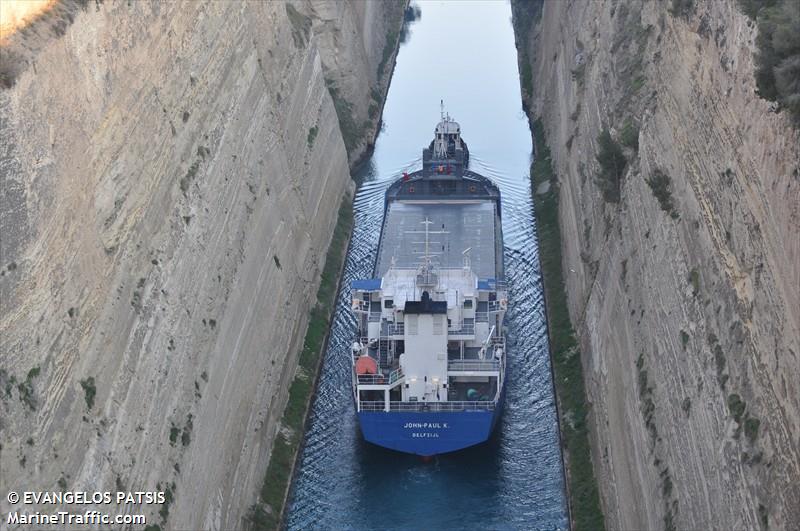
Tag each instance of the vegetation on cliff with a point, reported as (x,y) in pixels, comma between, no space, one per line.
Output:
(267,512)
(19,48)
(584,497)
(524,14)
(612,166)
(778,58)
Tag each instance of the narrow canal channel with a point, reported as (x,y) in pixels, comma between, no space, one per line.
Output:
(464,54)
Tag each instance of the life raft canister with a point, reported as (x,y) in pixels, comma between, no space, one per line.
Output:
(366,365)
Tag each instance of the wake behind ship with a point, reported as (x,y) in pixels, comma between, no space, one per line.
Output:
(429,359)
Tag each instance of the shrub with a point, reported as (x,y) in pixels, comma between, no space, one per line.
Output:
(25,388)
(751,426)
(186,180)
(579,74)
(168,499)
(751,7)
(661,185)
(736,406)
(763,515)
(694,280)
(682,8)
(686,405)
(630,135)
(684,339)
(777,59)
(719,360)
(186,436)
(526,77)
(312,135)
(388,49)
(351,132)
(612,166)
(89,391)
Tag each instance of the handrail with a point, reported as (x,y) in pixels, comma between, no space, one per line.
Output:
(360,306)
(396,329)
(380,405)
(372,379)
(474,365)
(496,306)
(464,330)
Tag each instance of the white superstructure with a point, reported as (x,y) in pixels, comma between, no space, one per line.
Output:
(435,335)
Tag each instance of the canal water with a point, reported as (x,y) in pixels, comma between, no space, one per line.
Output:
(464,54)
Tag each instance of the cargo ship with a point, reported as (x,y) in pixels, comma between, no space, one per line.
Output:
(429,357)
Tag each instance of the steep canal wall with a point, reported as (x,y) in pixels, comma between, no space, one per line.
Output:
(677,198)
(171,177)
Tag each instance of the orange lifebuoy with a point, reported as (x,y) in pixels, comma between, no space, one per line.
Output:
(410,189)
(472,189)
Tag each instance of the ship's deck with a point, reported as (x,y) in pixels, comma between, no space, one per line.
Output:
(470,225)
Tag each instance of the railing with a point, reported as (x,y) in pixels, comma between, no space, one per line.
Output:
(481,317)
(499,285)
(464,330)
(473,365)
(396,329)
(380,405)
(371,379)
(395,375)
(360,306)
(374,317)
(496,306)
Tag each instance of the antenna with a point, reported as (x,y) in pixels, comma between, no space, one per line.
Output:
(465,252)
(427,232)
(441,106)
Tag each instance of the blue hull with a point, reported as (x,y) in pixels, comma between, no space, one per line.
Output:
(428,433)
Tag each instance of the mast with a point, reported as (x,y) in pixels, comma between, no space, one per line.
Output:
(426,276)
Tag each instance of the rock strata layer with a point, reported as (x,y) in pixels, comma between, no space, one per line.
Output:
(171,175)
(683,288)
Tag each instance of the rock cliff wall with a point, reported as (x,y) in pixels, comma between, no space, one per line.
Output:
(684,287)
(171,175)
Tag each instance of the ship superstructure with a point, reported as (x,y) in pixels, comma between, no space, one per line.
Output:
(429,358)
